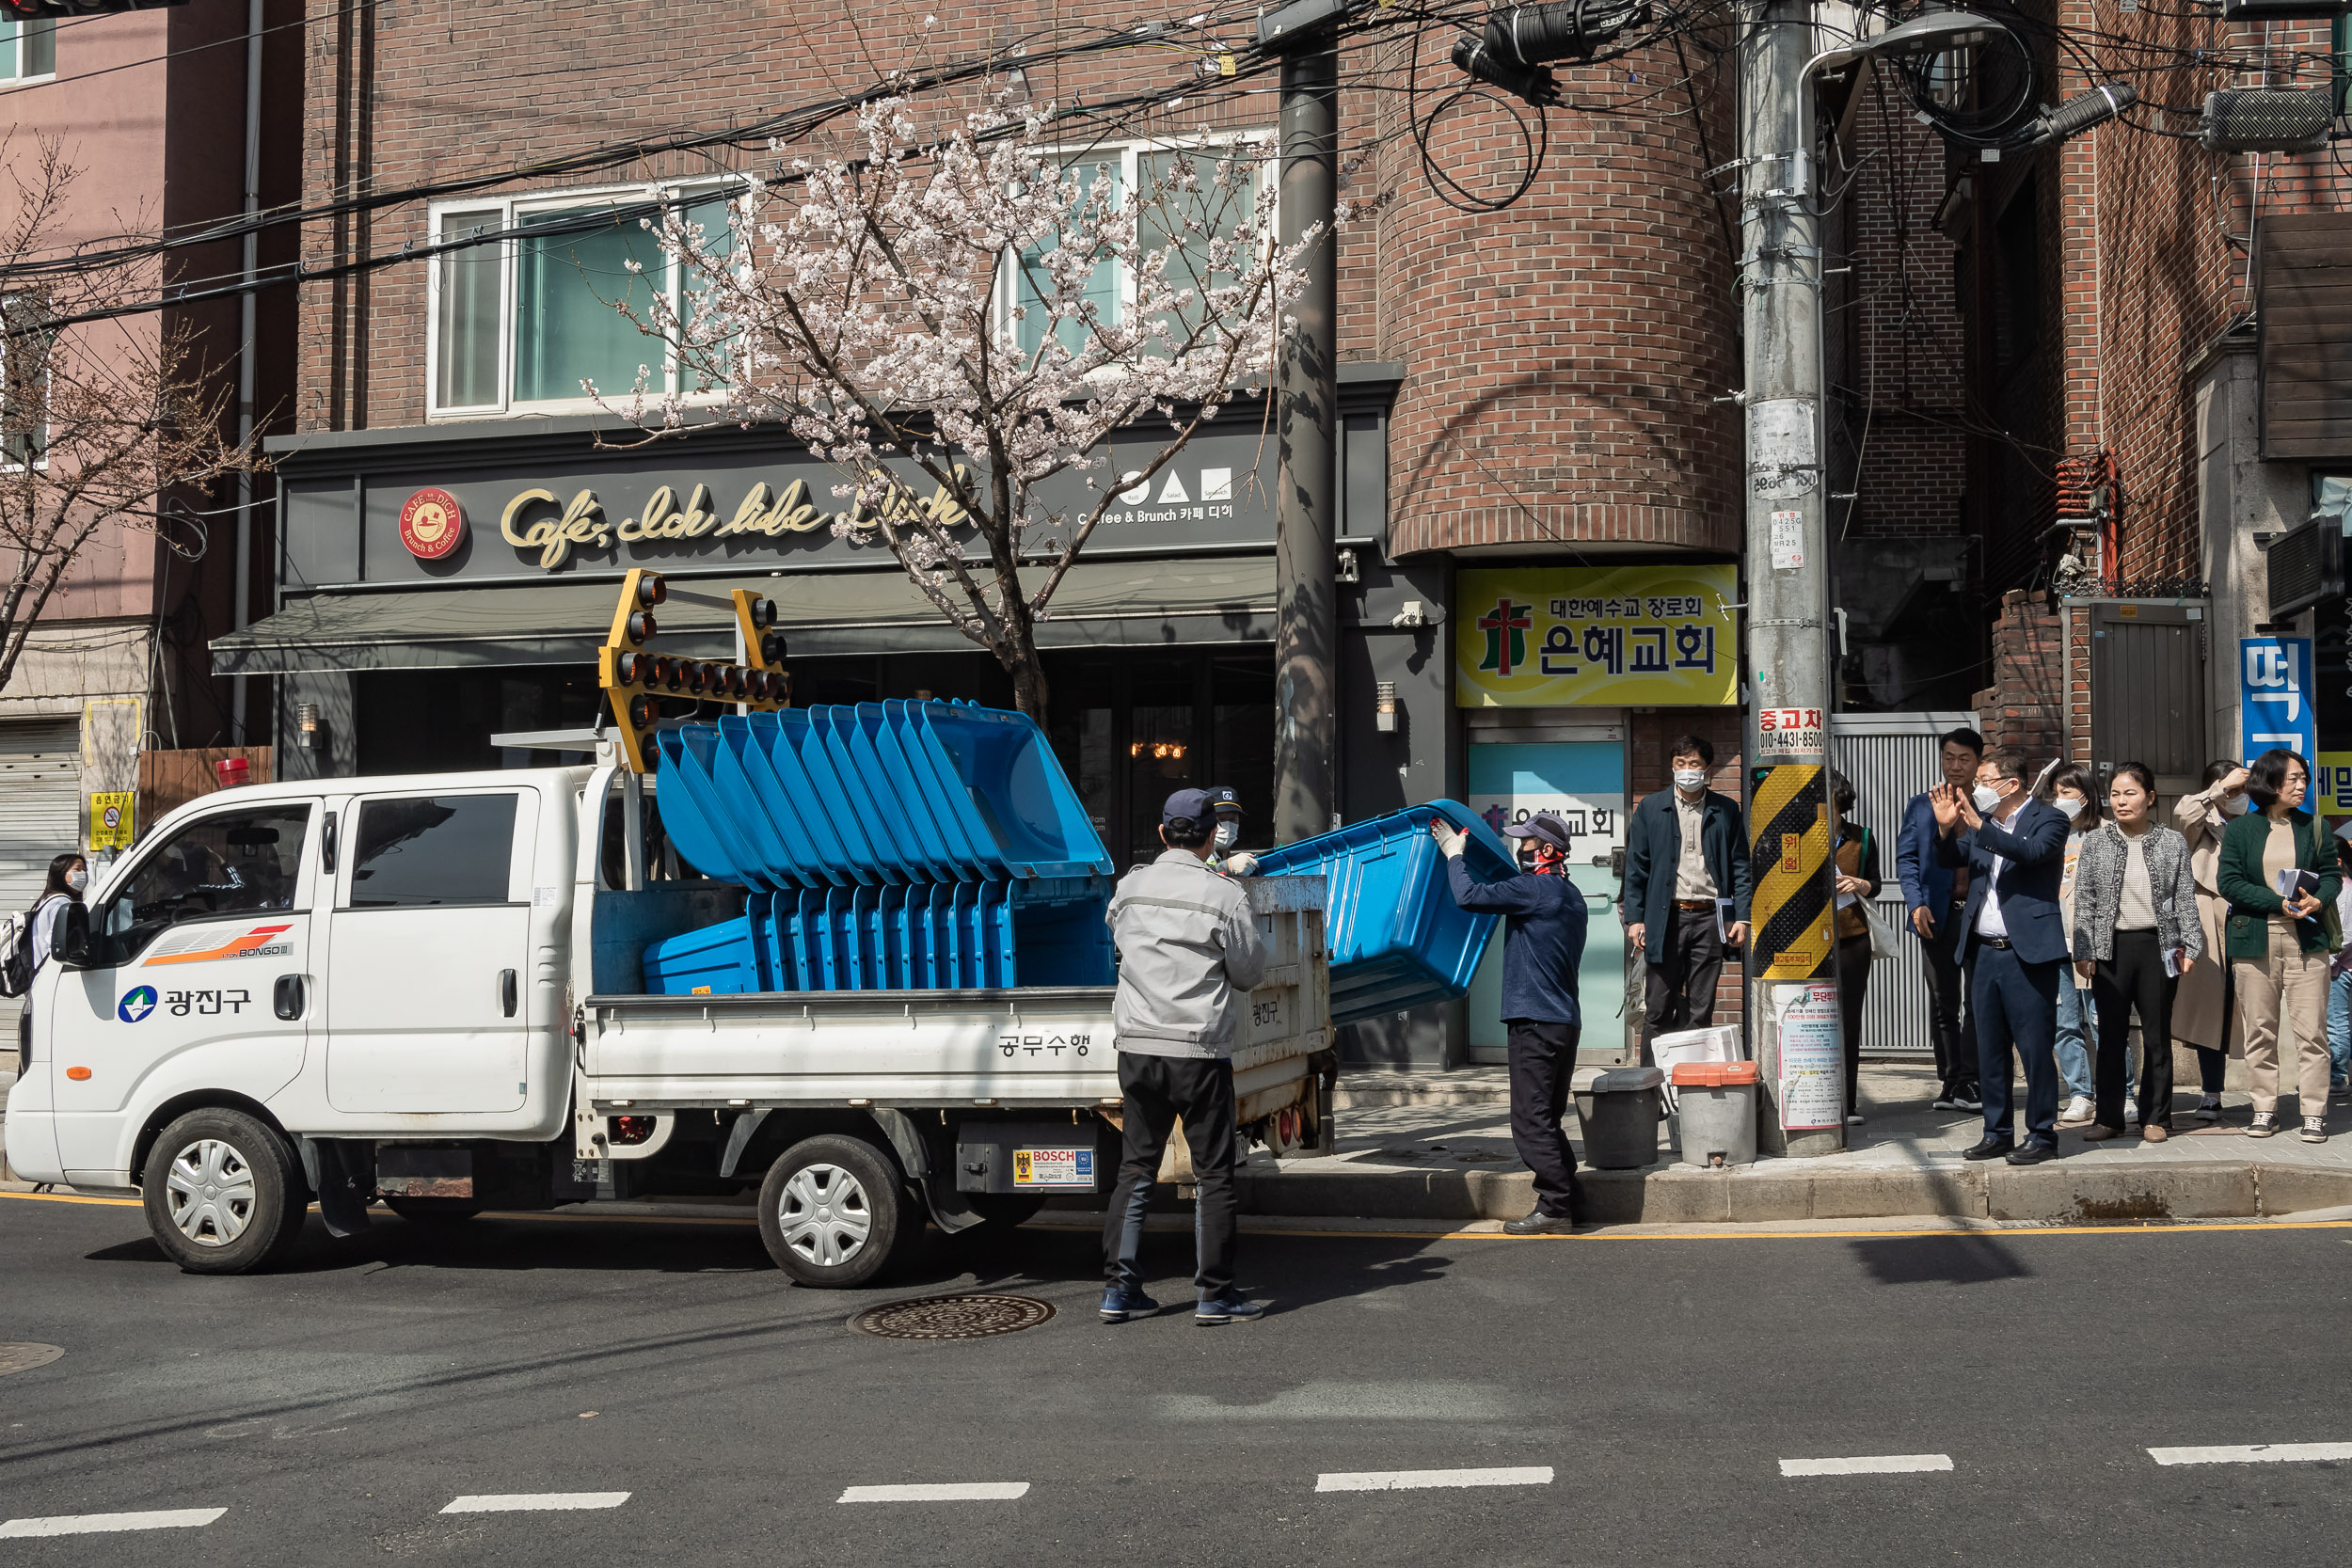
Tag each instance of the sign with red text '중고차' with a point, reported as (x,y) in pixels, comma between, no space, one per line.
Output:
(1586,636)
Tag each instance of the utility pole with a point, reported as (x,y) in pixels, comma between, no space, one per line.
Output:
(1793,959)
(1306,511)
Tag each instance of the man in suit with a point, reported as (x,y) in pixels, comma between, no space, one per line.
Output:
(1684,850)
(2013,939)
(1934,894)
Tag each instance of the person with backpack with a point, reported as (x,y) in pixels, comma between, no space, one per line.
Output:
(1858,882)
(69,879)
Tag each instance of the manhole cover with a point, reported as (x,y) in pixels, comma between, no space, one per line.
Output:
(952,1316)
(24,1359)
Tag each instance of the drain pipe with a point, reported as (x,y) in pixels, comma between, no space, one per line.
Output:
(242,612)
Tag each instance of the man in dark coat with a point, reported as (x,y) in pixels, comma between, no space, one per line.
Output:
(1686,854)
(2012,937)
(1543,943)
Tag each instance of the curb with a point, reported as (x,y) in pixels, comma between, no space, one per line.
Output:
(2047,1194)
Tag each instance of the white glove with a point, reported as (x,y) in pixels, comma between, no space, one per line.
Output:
(1241,863)
(1450,842)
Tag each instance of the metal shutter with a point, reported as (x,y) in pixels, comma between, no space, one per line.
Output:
(40,816)
(1890,757)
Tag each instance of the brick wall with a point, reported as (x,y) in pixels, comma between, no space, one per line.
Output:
(2025,706)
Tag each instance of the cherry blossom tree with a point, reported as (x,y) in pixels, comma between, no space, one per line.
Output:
(953,323)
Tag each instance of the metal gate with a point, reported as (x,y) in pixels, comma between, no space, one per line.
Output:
(2148,691)
(1890,757)
(40,817)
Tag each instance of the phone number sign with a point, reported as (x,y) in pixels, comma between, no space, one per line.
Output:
(1579,637)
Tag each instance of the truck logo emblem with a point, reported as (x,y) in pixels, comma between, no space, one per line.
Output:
(136,1003)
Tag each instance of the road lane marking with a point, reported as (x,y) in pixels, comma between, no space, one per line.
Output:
(102,1524)
(950,1491)
(2251,1453)
(1869,1465)
(1415,1481)
(535,1502)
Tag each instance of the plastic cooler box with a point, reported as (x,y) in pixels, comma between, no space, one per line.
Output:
(1395,936)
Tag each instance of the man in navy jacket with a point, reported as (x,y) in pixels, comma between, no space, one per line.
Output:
(2013,938)
(1934,894)
(1543,943)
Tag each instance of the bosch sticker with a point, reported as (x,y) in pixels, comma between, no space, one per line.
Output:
(136,1003)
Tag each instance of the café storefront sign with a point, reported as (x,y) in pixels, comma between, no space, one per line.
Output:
(726,500)
(1578,636)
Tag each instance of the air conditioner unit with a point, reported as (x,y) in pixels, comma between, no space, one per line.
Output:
(2282,10)
(2267,119)
(2306,567)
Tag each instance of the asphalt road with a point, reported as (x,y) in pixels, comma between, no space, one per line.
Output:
(333,1411)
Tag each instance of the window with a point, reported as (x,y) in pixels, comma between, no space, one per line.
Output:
(27,49)
(24,386)
(239,863)
(430,851)
(1141,169)
(523,321)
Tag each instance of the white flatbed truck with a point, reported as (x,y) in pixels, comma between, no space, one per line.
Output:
(426,990)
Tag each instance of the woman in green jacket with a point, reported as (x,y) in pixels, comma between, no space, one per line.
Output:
(2278,948)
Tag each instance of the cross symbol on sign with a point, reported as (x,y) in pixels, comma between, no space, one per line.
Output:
(1506,629)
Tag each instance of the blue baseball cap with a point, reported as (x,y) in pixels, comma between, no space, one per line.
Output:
(1188,805)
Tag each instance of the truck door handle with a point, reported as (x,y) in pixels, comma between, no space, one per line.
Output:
(287,999)
(506,990)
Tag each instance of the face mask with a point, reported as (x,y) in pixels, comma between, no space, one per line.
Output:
(1228,834)
(2239,806)
(2068,808)
(1986,797)
(77,881)
(1688,779)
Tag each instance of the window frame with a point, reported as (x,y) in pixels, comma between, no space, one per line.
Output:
(522,837)
(15,46)
(302,899)
(39,463)
(508,212)
(1006,291)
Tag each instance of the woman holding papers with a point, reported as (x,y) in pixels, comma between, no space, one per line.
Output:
(2135,929)
(2281,883)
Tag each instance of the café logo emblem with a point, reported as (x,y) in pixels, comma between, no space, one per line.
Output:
(539,520)
(432,524)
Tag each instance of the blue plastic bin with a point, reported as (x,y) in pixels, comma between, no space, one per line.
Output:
(716,960)
(1395,936)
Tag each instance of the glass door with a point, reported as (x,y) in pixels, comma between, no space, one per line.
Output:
(1582,783)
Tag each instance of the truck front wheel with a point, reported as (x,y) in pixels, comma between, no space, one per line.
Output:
(833,1211)
(223,1193)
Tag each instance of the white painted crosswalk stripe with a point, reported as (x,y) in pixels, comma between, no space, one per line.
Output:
(1868,1465)
(2251,1453)
(104,1524)
(535,1502)
(951,1492)
(1414,1481)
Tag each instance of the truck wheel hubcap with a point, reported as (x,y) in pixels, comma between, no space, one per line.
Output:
(824,1216)
(211,1190)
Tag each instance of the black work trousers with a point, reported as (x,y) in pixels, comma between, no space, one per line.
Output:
(1158,1090)
(2134,979)
(1853,985)
(1951,1025)
(1680,993)
(1543,1060)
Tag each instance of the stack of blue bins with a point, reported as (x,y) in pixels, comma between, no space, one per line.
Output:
(899,845)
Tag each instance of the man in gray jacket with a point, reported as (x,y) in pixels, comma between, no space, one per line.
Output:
(1188,958)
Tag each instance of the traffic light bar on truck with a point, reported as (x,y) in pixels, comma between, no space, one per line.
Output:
(637,681)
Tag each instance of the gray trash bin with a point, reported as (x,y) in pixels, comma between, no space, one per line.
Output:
(1618,1109)
(1717,1105)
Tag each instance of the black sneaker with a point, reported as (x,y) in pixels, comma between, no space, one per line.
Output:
(1966,1100)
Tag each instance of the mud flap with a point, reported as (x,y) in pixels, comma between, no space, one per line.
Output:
(344,1181)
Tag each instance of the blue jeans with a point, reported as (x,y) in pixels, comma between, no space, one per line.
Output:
(2339,1030)
(2076,1020)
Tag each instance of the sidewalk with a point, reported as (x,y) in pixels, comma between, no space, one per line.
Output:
(1438,1147)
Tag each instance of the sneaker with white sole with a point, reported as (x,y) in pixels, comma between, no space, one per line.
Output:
(2131,1113)
(2265,1124)
(2209,1108)
(1944,1102)
(2314,1130)
(1967,1102)
(2077,1112)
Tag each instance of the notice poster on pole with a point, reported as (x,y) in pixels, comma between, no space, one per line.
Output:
(1812,1057)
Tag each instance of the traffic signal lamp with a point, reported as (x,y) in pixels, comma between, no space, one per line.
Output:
(636,681)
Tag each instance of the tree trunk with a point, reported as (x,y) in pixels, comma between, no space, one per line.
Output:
(1029,689)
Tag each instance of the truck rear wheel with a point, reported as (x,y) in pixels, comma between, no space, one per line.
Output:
(833,1211)
(223,1193)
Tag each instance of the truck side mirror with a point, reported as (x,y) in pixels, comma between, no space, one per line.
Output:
(73,939)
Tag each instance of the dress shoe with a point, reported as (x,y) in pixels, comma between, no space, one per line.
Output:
(1538,1223)
(2099,1132)
(2033,1154)
(2155,1133)
(1992,1148)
